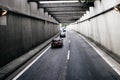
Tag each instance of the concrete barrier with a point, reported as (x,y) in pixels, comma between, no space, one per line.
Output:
(24,29)
(103,28)
(17,63)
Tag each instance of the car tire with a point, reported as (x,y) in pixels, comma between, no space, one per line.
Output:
(52,46)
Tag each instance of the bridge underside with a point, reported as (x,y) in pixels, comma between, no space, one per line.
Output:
(64,11)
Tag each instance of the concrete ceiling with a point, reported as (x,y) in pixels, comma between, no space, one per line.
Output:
(64,12)
(52,0)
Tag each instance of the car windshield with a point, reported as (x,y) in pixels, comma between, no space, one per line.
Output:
(62,33)
(56,39)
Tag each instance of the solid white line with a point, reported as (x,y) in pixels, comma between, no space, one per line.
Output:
(114,64)
(18,75)
(68,55)
(110,61)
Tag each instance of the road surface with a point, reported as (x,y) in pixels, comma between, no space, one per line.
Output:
(75,61)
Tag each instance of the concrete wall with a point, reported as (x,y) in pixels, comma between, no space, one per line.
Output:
(22,33)
(103,29)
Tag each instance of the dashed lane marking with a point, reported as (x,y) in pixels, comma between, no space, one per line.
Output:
(69,41)
(68,55)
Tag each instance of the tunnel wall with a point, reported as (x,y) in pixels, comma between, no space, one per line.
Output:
(103,29)
(25,29)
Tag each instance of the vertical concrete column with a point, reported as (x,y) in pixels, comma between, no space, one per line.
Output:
(34,23)
(25,8)
(88,24)
(97,10)
(98,39)
(50,17)
(3,21)
(4,2)
(11,4)
(17,5)
(113,24)
(46,14)
(54,19)
(97,5)
(79,28)
(109,3)
(102,25)
(26,31)
(85,26)
(34,9)
(91,23)
(81,25)
(94,25)
(41,13)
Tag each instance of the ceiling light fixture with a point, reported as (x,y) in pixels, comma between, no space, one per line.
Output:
(58,1)
(3,12)
(117,8)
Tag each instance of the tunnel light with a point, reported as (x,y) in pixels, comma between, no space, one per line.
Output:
(59,1)
(3,12)
(117,8)
(83,1)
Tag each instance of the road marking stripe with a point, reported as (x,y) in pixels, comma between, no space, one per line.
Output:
(68,55)
(18,75)
(69,41)
(114,64)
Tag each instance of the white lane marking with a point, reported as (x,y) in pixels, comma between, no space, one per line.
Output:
(114,64)
(69,41)
(68,55)
(18,75)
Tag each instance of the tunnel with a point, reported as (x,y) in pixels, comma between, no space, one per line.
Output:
(88,31)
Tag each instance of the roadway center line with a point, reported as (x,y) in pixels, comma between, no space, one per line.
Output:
(114,64)
(69,41)
(68,55)
(19,74)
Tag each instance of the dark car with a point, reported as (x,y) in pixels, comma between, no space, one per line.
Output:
(62,35)
(64,30)
(57,42)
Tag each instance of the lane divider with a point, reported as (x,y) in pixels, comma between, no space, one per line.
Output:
(69,41)
(68,55)
(18,75)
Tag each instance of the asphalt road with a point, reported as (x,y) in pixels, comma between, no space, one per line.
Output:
(75,61)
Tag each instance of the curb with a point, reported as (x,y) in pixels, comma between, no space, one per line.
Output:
(110,53)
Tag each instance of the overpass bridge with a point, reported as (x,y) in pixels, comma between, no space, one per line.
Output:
(91,48)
